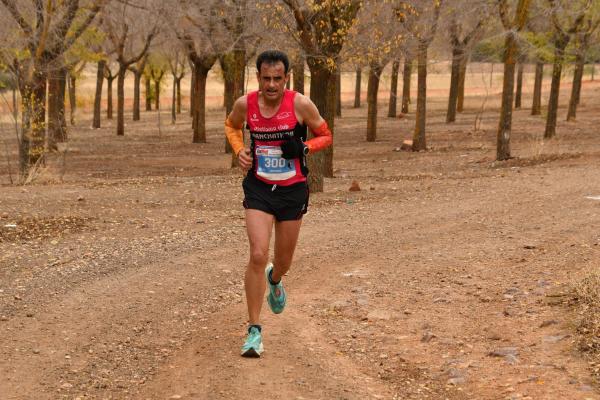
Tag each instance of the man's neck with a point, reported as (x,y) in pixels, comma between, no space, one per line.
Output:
(271,103)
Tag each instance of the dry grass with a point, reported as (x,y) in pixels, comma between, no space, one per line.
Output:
(587,292)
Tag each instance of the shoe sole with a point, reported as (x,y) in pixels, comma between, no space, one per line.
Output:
(253,353)
(270,265)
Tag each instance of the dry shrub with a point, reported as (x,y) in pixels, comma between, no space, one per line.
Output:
(587,291)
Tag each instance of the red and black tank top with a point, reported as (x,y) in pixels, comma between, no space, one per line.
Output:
(266,137)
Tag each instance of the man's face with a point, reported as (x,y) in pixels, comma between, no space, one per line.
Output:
(272,80)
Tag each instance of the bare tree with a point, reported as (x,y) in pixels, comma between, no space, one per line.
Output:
(138,69)
(157,66)
(57,127)
(196,33)
(393,90)
(537,34)
(177,69)
(131,37)
(519,89)
(75,71)
(562,33)
(582,44)
(47,29)
(358,87)
(110,77)
(406,75)
(461,43)
(512,28)
(423,29)
(98,94)
(237,42)
(374,40)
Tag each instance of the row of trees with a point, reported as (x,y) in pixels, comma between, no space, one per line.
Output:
(49,43)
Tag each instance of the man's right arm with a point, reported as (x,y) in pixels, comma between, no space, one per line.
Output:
(235,136)
(234,124)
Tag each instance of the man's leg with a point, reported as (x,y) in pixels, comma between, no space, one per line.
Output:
(259,225)
(286,237)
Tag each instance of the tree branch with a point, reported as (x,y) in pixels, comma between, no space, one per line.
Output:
(503,10)
(149,38)
(14,12)
(85,24)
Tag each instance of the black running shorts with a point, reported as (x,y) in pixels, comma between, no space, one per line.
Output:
(285,203)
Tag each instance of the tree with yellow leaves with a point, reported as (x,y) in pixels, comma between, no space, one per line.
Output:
(321,28)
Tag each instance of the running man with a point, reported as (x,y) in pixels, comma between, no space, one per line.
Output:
(275,187)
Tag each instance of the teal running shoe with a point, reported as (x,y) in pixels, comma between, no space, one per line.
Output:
(253,346)
(276,297)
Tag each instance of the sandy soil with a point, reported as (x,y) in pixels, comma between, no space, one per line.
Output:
(443,278)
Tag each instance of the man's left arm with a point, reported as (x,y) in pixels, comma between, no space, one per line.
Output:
(311,117)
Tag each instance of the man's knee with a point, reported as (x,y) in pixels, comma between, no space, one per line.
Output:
(259,258)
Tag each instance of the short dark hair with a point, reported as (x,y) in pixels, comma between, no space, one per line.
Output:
(273,57)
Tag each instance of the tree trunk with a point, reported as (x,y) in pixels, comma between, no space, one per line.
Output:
(98,95)
(372,91)
(178,94)
(580,67)
(193,85)
(419,141)
(322,93)
(298,74)
(576,88)
(233,65)
(536,106)
(137,78)
(72,98)
(109,98)
(148,86)
(64,86)
(505,125)
(227,94)
(457,59)
(157,94)
(338,93)
(15,105)
(555,90)
(288,84)
(199,106)
(357,88)
(33,98)
(518,94)
(460,101)
(56,108)
(406,74)
(121,100)
(174,101)
(394,90)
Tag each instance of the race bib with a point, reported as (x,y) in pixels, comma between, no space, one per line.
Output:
(272,166)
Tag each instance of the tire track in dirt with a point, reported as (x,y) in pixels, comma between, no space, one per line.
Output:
(298,363)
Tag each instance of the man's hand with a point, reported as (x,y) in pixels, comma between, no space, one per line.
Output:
(292,149)
(245,159)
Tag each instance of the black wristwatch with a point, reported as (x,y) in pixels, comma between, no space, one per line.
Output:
(305,150)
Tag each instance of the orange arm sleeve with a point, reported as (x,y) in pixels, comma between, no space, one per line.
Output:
(234,136)
(323,138)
